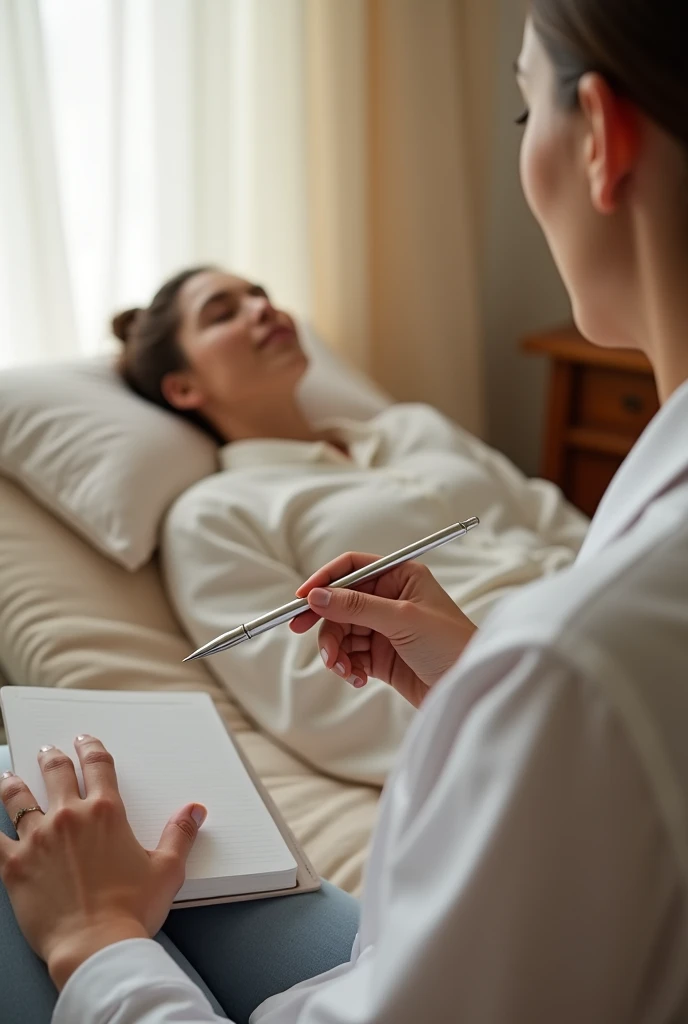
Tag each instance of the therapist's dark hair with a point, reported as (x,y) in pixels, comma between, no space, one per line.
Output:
(151,347)
(639,46)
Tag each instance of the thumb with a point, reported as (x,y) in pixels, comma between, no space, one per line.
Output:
(357,608)
(179,834)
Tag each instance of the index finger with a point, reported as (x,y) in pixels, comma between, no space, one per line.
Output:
(334,570)
(98,767)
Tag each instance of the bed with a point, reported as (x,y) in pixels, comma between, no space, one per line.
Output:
(87,472)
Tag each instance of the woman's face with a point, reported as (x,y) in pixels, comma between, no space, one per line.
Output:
(239,349)
(575,165)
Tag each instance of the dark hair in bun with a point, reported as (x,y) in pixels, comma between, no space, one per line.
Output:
(122,324)
(151,347)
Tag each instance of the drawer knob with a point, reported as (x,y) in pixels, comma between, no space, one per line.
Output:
(632,403)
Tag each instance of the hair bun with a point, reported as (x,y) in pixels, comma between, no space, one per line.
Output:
(124,323)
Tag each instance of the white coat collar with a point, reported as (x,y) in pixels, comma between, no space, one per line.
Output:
(658,460)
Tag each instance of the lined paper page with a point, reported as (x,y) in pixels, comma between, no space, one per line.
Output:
(169,749)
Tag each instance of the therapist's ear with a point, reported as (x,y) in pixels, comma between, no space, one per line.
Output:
(612,141)
(180,391)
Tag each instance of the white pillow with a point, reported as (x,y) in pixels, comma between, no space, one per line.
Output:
(109,464)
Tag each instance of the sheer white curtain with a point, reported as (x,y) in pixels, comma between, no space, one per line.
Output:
(179,132)
(35,303)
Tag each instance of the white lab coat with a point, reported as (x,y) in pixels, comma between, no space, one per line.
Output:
(530,863)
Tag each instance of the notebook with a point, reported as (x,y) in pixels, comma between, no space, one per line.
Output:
(169,749)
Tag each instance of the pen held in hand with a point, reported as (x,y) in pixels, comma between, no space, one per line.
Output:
(287,612)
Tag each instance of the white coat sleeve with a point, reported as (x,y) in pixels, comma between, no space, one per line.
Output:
(132,982)
(221,570)
(534,881)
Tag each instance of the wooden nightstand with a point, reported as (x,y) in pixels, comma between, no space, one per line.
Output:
(600,401)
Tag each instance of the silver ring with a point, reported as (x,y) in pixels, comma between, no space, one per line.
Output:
(21,812)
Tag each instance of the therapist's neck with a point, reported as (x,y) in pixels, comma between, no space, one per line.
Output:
(281,419)
(662,274)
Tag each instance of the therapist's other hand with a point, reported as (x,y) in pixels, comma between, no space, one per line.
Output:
(77,878)
(402,628)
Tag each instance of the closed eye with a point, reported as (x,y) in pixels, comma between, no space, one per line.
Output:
(223,314)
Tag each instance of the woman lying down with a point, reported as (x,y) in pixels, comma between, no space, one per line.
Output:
(291,495)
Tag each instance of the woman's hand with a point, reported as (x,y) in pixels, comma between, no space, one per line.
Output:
(402,628)
(77,878)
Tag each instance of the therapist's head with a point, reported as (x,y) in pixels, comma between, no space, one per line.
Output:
(213,348)
(604,162)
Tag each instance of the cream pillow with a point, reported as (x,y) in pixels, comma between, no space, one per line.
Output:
(109,464)
(101,459)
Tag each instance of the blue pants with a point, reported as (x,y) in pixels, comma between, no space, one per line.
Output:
(238,953)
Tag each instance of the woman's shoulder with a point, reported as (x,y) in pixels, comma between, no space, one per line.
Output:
(420,411)
(215,505)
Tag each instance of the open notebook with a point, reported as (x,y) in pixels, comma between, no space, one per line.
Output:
(169,749)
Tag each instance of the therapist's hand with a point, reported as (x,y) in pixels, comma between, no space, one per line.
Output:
(402,628)
(77,878)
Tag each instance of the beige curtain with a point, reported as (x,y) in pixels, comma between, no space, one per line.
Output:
(399,125)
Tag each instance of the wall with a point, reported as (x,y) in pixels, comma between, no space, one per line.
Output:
(522,290)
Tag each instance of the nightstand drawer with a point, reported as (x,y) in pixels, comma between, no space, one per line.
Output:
(600,401)
(608,399)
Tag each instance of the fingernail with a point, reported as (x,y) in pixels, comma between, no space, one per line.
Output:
(82,737)
(7,775)
(340,668)
(199,814)
(44,750)
(320,597)
(356,681)
(325,656)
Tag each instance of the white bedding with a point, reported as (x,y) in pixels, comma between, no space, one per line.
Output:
(240,543)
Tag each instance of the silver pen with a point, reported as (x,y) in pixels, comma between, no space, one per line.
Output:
(289,611)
